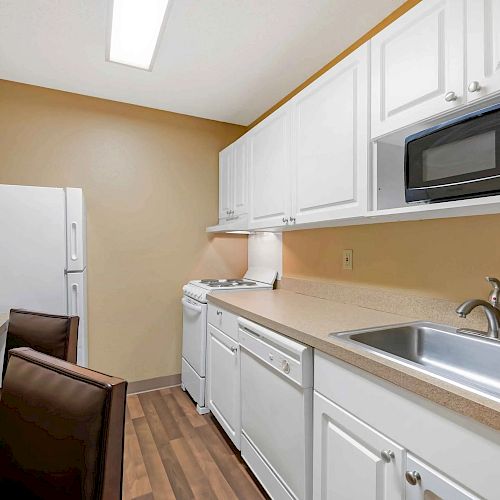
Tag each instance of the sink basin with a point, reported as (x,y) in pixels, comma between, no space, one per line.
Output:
(463,358)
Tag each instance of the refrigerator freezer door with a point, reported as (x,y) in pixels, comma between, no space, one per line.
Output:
(32,249)
(75,230)
(77,306)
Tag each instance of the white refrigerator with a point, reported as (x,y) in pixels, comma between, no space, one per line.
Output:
(43,254)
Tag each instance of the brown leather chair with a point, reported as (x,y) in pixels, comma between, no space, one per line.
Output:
(61,430)
(48,333)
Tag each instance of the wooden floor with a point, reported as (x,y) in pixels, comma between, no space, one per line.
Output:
(173,452)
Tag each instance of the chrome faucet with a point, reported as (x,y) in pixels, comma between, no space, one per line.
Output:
(490,308)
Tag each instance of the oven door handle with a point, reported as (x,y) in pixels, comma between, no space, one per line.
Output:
(190,306)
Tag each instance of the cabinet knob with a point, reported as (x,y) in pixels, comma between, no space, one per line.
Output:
(285,220)
(292,220)
(234,350)
(219,313)
(450,96)
(413,477)
(474,87)
(387,455)
(285,366)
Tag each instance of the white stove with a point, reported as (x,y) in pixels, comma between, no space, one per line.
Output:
(255,278)
(194,324)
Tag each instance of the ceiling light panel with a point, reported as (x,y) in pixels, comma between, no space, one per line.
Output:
(136,27)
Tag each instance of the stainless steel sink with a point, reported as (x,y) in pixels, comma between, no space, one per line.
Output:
(463,358)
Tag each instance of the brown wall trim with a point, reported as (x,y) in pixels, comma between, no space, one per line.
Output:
(409,4)
(152,384)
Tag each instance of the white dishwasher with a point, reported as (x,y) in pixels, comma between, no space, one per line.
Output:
(276,410)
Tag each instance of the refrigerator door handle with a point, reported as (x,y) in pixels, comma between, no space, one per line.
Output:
(74,241)
(73,307)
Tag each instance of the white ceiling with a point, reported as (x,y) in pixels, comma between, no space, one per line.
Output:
(227,60)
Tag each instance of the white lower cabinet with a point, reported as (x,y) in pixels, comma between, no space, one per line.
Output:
(376,441)
(223,382)
(352,460)
(425,483)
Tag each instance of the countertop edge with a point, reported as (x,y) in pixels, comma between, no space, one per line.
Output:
(441,392)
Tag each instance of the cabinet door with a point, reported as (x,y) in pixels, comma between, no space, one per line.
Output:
(240,178)
(225,180)
(416,62)
(483,48)
(431,485)
(270,170)
(330,142)
(223,382)
(352,460)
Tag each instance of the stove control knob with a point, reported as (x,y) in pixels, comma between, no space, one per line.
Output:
(285,366)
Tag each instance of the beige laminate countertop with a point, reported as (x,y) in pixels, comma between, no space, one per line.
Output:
(311,320)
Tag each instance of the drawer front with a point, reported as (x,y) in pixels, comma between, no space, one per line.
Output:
(224,320)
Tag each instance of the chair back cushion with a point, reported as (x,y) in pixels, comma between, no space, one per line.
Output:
(61,429)
(48,333)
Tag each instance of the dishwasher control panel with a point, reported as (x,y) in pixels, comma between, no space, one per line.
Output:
(292,359)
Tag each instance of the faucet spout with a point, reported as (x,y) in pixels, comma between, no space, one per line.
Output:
(492,314)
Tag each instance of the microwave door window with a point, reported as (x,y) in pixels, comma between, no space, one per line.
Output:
(459,158)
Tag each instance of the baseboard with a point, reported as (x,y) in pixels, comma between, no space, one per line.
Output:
(152,384)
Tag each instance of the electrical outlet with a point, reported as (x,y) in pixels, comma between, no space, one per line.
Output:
(347,260)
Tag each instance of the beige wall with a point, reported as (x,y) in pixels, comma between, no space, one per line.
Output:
(150,182)
(445,258)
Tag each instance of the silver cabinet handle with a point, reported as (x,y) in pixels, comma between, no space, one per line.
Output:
(234,350)
(450,96)
(285,366)
(413,477)
(285,220)
(292,220)
(474,87)
(219,313)
(387,455)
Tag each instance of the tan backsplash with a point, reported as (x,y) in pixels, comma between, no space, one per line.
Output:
(442,258)
(150,180)
(393,301)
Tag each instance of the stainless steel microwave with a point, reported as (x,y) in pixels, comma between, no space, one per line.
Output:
(457,159)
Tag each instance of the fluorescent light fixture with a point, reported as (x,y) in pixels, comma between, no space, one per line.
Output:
(136,26)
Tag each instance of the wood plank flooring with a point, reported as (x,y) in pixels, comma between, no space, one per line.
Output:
(173,452)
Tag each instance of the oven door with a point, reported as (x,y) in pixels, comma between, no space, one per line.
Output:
(194,334)
(459,159)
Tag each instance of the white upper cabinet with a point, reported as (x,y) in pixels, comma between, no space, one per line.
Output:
(240,178)
(225,192)
(233,181)
(269,156)
(330,143)
(418,65)
(483,48)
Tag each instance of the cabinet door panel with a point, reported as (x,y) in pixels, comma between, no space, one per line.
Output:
(240,178)
(330,136)
(348,460)
(433,485)
(225,178)
(269,146)
(223,382)
(483,47)
(416,61)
